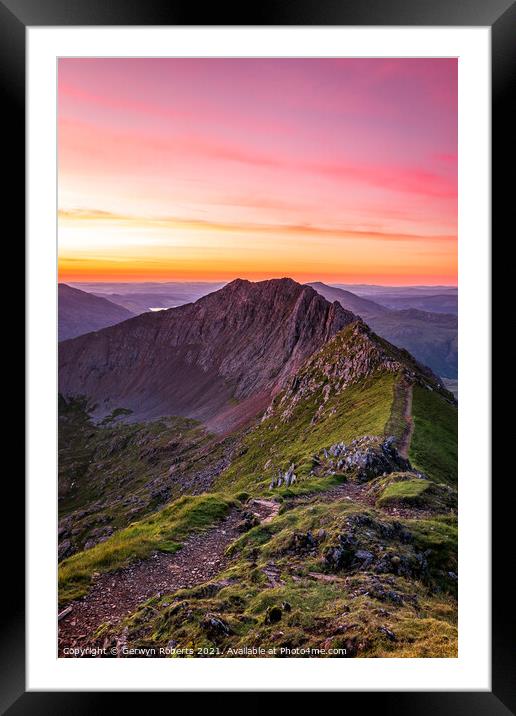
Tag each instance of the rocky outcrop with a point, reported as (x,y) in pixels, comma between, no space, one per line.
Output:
(361,546)
(365,458)
(286,478)
(219,359)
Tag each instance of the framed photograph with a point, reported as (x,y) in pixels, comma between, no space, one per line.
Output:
(258,368)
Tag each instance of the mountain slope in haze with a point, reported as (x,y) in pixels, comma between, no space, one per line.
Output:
(363,307)
(429,337)
(81,312)
(143,302)
(436,299)
(140,297)
(158,296)
(218,360)
(439,303)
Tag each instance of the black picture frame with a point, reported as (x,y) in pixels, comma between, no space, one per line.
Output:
(500,15)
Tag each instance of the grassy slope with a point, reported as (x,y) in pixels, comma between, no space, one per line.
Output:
(405,608)
(362,409)
(114,472)
(97,460)
(404,489)
(433,449)
(408,491)
(162,531)
(419,493)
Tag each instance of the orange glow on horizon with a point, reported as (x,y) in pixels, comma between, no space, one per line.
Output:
(370,279)
(107,272)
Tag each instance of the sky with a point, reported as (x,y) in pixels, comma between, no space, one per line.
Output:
(339,170)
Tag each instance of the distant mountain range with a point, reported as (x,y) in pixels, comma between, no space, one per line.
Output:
(148,296)
(145,296)
(81,312)
(438,299)
(430,337)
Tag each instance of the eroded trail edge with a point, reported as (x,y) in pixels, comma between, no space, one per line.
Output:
(114,595)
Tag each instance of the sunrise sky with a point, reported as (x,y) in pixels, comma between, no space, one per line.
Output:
(342,170)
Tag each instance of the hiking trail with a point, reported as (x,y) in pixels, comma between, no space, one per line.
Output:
(114,595)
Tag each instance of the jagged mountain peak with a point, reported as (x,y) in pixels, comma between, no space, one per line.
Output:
(285,288)
(220,359)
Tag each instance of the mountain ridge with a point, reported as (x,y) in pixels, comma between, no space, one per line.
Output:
(218,360)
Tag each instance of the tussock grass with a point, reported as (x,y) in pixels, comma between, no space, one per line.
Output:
(410,492)
(397,490)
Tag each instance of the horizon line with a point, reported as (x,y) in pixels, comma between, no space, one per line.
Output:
(226,281)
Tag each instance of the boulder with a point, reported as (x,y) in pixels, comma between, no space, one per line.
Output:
(273,615)
(249,520)
(364,557)
(302,542)
(214,626)
(65,549)
(341,555)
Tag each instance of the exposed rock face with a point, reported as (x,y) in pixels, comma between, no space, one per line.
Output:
(219,360)
(81,312)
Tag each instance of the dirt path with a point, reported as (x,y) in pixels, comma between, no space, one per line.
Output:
(404,443)
(117,594)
